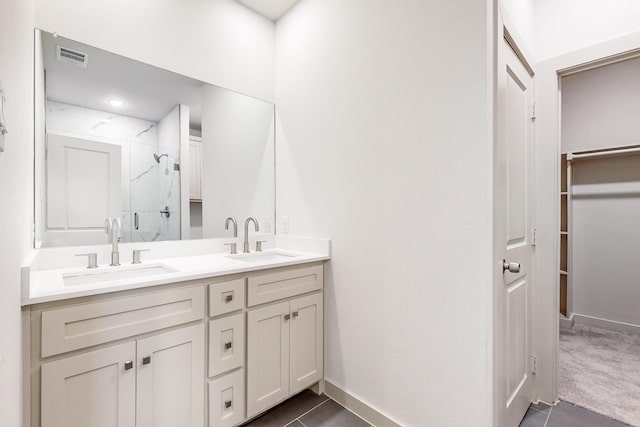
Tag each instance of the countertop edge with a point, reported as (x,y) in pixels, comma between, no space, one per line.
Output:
(29,300)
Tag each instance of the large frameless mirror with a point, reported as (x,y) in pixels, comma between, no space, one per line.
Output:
(171,156)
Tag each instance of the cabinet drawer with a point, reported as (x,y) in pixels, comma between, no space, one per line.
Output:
(226,344)
(71,328)
(226,297)
(284,284)
(226,400)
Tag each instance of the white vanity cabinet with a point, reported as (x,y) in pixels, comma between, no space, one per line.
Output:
(133,358)
(155,381)
(285,339)
(208,352)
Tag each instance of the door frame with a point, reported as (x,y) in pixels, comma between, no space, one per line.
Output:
(547,195)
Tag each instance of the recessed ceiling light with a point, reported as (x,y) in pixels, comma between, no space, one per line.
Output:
(115,103)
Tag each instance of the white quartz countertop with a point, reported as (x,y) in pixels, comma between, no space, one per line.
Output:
(57,284)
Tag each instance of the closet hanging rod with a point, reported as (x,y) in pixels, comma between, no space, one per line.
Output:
(608,153)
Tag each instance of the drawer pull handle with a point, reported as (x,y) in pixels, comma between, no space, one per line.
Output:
(227,404)
(128,365)
(287,316)
(146,360)
(227,345)
(228,298)
(295,314)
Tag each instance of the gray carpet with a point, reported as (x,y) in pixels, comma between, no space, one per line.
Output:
(600,370)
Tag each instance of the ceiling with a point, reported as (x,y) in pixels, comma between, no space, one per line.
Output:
(146,92)
(272,9)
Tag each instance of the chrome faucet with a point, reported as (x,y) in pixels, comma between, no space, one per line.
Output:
(235,225)
(235,233)
(246,232)
(113,227)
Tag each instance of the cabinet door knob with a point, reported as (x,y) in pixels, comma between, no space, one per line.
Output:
(227,404)
(228,298)
(227,345)
(128,365)
(295,314)
(146,360)
(287,316)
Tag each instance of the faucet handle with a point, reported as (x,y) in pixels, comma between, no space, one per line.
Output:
(259,245)
(136,255)
(93,259)
(234,247)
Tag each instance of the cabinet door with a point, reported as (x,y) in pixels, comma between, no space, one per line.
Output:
(306,342)
(267,357)
(96,389)
(195,151)
(170,379)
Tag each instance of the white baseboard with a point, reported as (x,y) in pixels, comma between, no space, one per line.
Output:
(606,324)
(358,407)
(566,322)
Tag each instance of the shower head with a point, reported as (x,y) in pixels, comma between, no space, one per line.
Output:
(158,157)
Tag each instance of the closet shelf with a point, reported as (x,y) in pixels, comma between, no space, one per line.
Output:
(564,273)
(564,233)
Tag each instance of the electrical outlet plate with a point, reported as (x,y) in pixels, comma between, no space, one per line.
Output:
(285,225)
(266,224)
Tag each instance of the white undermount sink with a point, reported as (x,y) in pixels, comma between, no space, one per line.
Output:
(109,274)
(258,257)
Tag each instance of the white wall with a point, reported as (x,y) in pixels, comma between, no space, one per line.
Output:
(520,15)
(553,27)
(16,183)
(601,106)
(567,25)
(605,235)
(216,41)
(383,147)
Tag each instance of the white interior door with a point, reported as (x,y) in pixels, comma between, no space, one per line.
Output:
(513,233)
(83,189)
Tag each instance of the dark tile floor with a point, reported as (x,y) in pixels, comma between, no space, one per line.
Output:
(307,409)
(565,415)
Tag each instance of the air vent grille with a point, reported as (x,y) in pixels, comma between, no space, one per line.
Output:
(71,56)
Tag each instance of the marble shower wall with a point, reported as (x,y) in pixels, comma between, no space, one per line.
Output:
(147,187)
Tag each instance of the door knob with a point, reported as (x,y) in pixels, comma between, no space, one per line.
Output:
(511,267)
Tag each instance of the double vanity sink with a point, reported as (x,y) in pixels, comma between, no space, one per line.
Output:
(115,274)
(50,284)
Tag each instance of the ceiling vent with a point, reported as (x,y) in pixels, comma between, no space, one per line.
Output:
(71,56)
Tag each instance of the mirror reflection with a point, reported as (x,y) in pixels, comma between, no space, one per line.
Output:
(171,156)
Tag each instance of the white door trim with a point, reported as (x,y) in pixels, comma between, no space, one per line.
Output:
(547,137)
